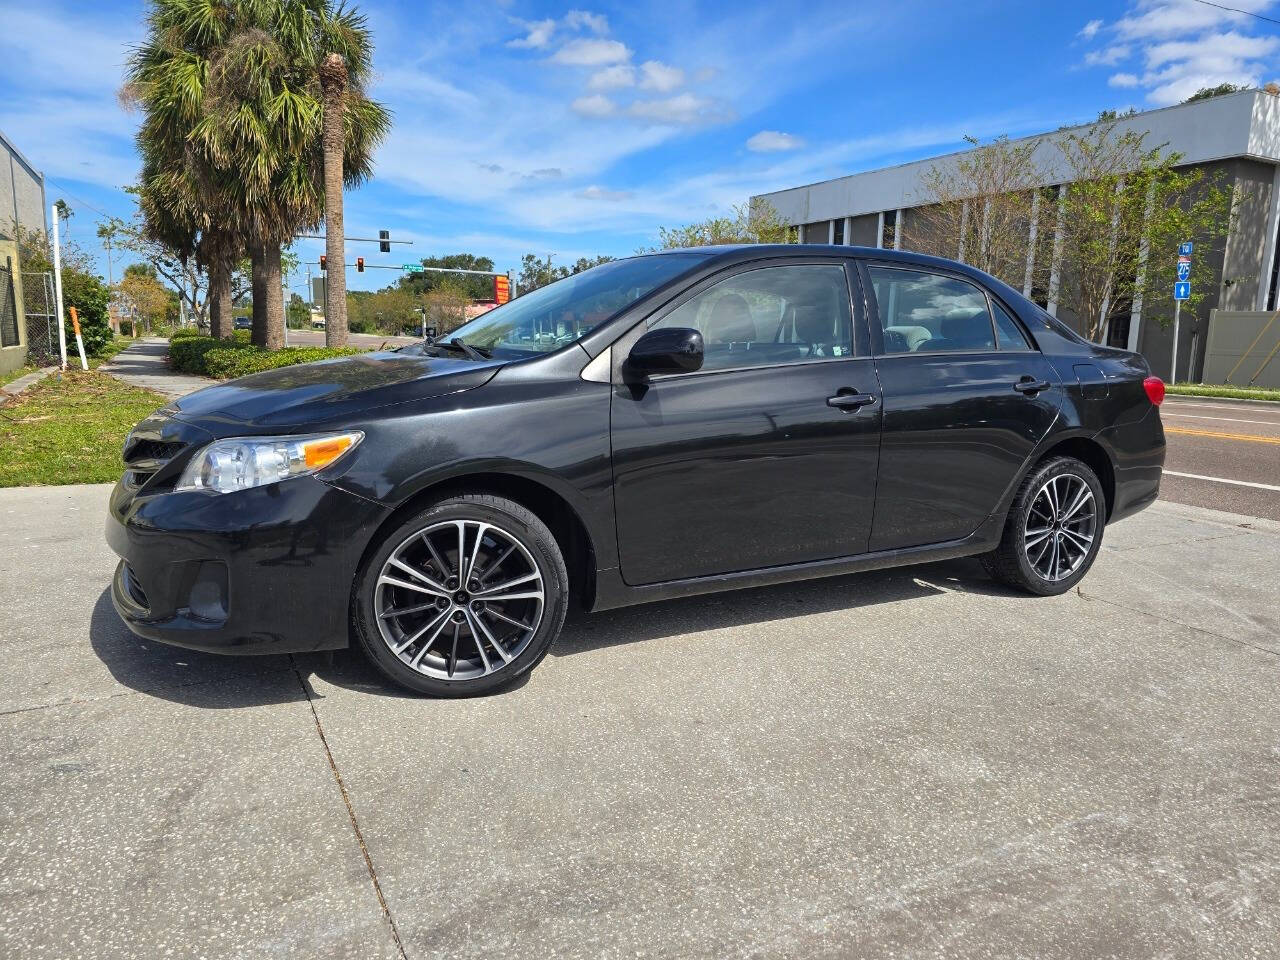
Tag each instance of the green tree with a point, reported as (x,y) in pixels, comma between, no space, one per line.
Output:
(1124,211)
(90,296)
(538,271)
(297,314)
(1221,90)
(754,222)
(476,287)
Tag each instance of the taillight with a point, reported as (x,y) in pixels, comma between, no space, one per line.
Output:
(1155,389)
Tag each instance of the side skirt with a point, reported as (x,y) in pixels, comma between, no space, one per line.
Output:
(612,592)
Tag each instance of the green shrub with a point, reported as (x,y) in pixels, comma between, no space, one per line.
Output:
(89,295)
(225,364)
(187,354)
(183,332)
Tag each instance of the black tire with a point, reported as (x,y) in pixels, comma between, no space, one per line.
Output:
(513,521)
(1009,563)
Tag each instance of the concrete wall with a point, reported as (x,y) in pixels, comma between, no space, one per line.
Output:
(1241,341)
(21,191)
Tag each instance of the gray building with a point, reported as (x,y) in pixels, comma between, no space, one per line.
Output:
(1236,137)
(22,203)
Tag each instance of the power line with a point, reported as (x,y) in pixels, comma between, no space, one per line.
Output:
(1247,13)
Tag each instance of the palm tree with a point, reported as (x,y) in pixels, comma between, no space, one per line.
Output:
(234,90)
(334,77)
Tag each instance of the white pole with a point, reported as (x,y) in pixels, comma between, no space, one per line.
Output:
(512,280)
(1173,373)
(57,282)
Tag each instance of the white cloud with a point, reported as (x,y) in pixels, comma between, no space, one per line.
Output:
(682,110)
(1153,19)
(596,105)
(600,193)
(1178,68)
(592,53)
(538,34)
(613,78)
(1090,29)
(1108,56)
(1122,80)
(660,76)
(597,23)
(771,141)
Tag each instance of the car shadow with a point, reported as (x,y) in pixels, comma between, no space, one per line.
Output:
(219,682)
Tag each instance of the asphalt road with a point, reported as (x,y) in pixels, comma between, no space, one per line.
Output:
(1222,455)
(913,763)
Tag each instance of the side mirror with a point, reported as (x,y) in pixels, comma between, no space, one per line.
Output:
(667,350)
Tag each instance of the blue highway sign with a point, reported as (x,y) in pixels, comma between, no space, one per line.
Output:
(1184,270)
(1182,290)
(1184,248)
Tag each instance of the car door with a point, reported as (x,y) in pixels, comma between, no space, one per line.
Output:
(966,399)
(767,454)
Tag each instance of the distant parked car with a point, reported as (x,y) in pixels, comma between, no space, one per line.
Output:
(242,323)
(317,323)
(655,427)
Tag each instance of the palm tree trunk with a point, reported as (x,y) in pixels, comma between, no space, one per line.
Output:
(220,297)
(333,83)
(274,297)
(258,286)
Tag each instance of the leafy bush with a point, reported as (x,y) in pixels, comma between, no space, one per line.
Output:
(225,364)
(89,295)
(183,332)
(187,354)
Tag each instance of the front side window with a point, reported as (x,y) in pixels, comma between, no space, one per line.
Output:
(560,313)
(784,314)
(924,312)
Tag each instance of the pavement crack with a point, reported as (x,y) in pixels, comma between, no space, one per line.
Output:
(351,814)
(1177,623)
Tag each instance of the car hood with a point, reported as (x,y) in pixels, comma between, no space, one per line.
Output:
(309,394)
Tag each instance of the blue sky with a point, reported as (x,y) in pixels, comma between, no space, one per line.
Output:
(577,129)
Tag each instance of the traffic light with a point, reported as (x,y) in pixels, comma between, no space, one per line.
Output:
(359,264)
(384,241)
(501,289)
(324,262)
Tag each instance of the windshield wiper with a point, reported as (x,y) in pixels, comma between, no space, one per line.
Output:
(461,346)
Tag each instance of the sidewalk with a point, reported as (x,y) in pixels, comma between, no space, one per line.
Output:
(143,365)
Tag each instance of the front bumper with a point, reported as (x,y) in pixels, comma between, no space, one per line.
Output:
(266,570)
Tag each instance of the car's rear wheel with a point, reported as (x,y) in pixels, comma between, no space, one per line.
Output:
(462,598)
(1053,531)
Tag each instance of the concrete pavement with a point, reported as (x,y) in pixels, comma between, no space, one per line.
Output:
(913,762)
(145,364)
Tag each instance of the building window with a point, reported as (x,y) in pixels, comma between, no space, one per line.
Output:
(890,229)
(839,232)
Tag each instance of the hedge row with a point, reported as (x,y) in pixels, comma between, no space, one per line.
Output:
(183,332)
(235,356)
(225,364)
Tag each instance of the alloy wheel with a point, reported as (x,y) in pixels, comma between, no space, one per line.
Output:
(1060,527)
(459,600)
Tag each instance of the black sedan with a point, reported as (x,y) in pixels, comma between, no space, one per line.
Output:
(659,426)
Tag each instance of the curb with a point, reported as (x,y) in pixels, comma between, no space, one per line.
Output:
(16,387)
(1240,400)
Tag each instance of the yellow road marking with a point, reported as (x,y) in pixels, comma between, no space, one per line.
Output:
(1222,436)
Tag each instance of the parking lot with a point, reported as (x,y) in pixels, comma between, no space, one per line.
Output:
(909,763)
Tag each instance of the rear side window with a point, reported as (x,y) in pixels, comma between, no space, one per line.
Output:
(1008,332)
(772,315)
(923,312)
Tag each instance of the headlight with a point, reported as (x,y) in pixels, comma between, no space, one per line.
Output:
(238,464)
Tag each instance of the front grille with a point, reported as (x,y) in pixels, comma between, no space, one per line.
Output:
(145,457)
(143,449)
(134,589)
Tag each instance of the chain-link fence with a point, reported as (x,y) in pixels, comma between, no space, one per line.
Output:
(41,309)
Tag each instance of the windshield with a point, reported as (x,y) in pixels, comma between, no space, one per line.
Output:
(550,317)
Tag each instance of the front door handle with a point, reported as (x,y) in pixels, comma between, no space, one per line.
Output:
(847,399)
(1031,385)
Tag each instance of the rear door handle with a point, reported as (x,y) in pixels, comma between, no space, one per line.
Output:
(1030,385)
(846,399)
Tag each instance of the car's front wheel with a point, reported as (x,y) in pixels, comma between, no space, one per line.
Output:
(1053,531)
(462,598)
